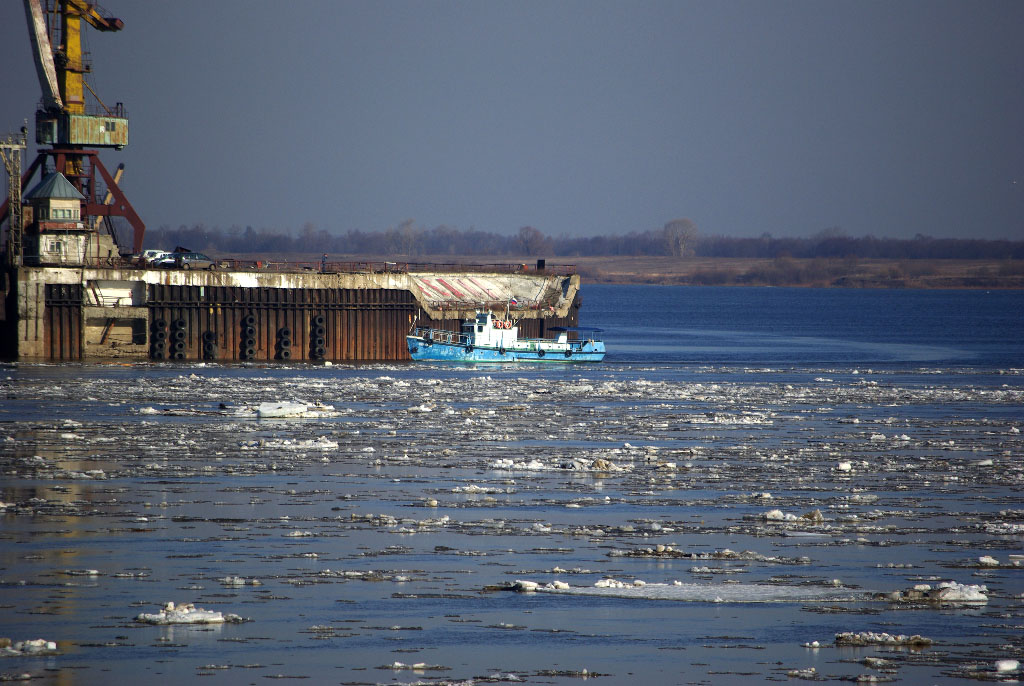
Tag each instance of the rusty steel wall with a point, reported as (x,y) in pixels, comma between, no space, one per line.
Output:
(62,321)
(227,323)
(233,323)
(8,314)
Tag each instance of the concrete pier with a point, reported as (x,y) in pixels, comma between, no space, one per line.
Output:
(130,313)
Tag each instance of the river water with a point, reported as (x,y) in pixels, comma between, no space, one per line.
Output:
(748,474)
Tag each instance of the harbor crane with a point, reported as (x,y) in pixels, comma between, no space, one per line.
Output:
(66,122)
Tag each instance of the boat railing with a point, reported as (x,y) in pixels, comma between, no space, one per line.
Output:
(441,336)
(577,345)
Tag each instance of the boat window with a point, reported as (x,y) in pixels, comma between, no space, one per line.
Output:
(479,329)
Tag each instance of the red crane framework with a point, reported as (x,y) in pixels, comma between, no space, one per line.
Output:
(65,122)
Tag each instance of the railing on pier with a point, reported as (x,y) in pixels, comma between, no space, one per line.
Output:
(384,267)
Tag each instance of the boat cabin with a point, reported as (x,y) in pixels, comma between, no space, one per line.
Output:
(488,331)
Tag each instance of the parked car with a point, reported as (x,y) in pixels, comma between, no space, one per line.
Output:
(186,260)
(150,256)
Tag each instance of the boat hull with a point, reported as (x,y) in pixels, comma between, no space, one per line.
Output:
(424,349)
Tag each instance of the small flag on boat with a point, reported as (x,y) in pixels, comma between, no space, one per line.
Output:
(513,301)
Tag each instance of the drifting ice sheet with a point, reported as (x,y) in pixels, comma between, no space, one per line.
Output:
(702,593)
(186,614)
(289,410)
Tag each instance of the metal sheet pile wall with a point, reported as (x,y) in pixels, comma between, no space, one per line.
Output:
(238,323)
(233,323)
(62,327)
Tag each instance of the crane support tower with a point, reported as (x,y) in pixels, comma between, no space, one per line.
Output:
(66,122)
(11,147)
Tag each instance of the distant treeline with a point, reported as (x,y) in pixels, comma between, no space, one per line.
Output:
(833,246)
(676,238)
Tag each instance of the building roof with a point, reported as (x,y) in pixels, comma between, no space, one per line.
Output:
(54,185)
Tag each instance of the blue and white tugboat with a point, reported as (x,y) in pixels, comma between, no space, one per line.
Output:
(489,339)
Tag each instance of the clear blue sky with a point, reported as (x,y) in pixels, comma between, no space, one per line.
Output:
(576,117)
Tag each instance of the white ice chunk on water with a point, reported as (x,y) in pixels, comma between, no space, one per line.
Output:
(1003,666)
(779,516)
(416,667)
(525,585)
(953,592)
(30,647)
(512,465)
(293,410)
(677,590)
(809,673)
(239,581)
(473,488)
(186,614)
(945,592)
(866,638)
(988,561)
(321,443)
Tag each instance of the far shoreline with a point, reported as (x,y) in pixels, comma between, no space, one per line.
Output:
(806,272)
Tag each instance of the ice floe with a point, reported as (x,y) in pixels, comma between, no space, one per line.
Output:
(239,581)
(806,673)
(949,592)
(873,638)
(35,646)
(1006,666)
(187,614)
(416,667)
(681,591)
(294,410)
(663,551)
